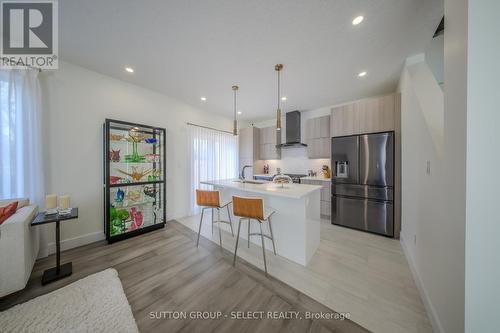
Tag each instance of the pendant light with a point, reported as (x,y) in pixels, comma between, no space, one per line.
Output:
(278,69)
(235,122)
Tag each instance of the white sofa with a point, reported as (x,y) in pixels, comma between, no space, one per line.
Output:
(19,245)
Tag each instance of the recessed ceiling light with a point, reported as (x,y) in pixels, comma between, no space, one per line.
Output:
(203,99)
(129,69)
(239,112)
(362,74)
(357,20)
(283,98)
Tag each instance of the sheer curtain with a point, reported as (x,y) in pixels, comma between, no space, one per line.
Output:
(21,164)
(213,155)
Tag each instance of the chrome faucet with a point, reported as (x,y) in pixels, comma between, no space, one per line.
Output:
(242,175)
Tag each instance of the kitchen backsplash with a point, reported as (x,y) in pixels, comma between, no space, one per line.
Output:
(293,160)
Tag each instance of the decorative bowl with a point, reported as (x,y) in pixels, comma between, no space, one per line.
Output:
(282,180)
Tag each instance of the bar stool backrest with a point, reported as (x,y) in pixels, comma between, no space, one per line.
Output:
(248,207)
(207,198)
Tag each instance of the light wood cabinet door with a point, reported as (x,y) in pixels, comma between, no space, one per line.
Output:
(366,116)
(344,120)
(312,148)
(262,136)
(248,142)
(325,208)
(245,141)
(262,151)
(376,114)
(268,135)
(326,195)
(324,126)
(268,139)
(325,148)
(387,113)
(309,129)
(318,137)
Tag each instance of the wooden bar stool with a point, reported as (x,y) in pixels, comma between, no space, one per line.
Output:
(211,200)
(253,209)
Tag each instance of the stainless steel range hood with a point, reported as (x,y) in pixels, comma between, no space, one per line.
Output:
(292,131)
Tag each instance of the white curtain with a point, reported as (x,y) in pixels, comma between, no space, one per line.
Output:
(21,164)
(213,155)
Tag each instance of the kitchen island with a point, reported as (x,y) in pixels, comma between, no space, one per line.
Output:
(296,223)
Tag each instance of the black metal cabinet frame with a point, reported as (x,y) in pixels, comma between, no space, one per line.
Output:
(111,124)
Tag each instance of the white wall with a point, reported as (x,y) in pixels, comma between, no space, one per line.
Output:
(434,55)
(77,101)
(433,205)
(482,269)
(454,175)
(423,231)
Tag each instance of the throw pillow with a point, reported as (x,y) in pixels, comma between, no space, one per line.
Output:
(7,211)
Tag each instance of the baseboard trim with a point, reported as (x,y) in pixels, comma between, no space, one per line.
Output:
(431,312)
(71,243)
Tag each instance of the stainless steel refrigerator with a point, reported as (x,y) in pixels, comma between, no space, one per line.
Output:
(362,182)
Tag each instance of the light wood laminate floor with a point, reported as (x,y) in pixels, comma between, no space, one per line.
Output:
(164,271)
(364,274)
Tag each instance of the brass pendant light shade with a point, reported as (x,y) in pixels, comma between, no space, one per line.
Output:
(278,120)
(235,122)
(278,69)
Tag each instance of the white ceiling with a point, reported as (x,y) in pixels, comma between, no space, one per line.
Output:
(191,48)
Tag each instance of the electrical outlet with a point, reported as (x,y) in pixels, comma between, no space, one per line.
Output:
(428,167)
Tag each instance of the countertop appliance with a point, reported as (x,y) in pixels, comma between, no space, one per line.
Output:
(362,182)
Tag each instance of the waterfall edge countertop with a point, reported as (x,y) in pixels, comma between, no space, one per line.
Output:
(296,223)
(295,191)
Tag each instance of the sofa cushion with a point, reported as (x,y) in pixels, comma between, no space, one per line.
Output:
(8,211)
(21,202)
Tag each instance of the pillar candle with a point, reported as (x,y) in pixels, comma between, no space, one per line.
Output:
(50,201)
(64,202)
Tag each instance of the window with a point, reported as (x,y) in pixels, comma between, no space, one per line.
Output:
(213,155)
(21,165)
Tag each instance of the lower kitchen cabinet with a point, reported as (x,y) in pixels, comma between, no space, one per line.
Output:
(326,196)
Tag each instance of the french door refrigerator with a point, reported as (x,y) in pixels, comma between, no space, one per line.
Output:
(362,182)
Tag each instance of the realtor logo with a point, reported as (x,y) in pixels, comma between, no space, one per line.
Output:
(29,34)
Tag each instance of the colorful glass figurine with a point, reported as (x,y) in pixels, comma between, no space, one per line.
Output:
(136,173)
(149,191)
(135,137)
(138,219)
(114,155)
(151,140)
(120,195)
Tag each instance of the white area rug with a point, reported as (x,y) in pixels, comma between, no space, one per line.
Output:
(96,303)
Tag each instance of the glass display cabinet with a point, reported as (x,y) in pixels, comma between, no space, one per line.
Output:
(134,179)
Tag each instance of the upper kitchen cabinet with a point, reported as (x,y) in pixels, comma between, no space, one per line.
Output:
(365,116)
(344,120)
(249,143)
(248,147)
(318,137)
(268,139)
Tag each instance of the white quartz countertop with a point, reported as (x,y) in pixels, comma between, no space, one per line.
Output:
(317,178)
(295,191)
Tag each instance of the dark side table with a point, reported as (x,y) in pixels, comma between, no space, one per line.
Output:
(60,271)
